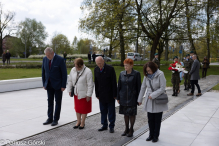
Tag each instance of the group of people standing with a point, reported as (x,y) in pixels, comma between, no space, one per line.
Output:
(129,93)
(6,56)
(192,66)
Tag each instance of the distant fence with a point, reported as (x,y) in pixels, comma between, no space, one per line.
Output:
(83,56)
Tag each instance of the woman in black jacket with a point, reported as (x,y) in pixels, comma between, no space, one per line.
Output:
(129,86)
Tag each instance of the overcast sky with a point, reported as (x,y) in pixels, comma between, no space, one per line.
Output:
(59,16)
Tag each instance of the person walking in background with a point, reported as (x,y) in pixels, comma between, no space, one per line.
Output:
(89,57)
(8,56)
(54,77)
(156,61)
(195,76)
(94,57)
(181,75)
(205,67)
(103,55)
(65,56)
(106,92)
(154,111)
(129,86)
(3,57)
(83,90)
(191,60)
(187,65)
(175,79)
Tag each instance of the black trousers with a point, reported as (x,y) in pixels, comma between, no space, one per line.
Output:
(108,109)
(51,92)
(8,61)
(154,122)
(204,72)
(193,83)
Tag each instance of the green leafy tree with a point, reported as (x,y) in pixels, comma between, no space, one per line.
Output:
(61,44)
(32,34)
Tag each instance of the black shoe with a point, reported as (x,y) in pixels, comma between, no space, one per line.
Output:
(149,138)
(176,94)
(47,122)
(125,132)
(102,129)
(75,127)
(155,140)
(54,123)
(111,130)
(173,93)
(185,87)
(130,134)
(81,127)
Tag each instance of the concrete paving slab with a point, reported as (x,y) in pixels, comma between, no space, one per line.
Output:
(23,109)
(197,124)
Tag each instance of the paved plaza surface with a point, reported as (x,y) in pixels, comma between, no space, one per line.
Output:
(197,124)
(23,112)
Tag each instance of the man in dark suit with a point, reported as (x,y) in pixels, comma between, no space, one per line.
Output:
(195,76)
(54,76)
(106,92)
(8,55)
(94,56)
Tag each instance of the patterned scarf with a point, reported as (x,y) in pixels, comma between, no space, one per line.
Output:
(152,75)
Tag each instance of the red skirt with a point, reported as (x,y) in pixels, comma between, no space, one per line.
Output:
(82,106)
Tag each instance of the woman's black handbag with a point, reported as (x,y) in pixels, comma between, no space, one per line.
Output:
(73,87)
(161,99)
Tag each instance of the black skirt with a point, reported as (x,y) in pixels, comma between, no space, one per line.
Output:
(128,110)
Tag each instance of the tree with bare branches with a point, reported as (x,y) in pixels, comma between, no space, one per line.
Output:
(6,25)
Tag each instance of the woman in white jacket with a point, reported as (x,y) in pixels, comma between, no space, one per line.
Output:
(82,91)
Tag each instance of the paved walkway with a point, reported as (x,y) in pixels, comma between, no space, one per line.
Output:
(197,124)
(23,112)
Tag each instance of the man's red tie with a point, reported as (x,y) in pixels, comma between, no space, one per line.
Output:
(49,64)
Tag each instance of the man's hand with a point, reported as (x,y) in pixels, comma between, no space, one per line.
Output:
(70,94)
(97,97)
(44,88)
(118,101)
(62,89)
(139,103)
(87,98)
(149,97)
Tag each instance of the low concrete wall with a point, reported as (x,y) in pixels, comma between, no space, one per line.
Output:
(20,84)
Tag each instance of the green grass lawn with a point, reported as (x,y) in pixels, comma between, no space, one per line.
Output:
(216,87)
(18,73)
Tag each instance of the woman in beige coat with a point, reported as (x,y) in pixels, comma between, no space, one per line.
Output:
(83,91)
(154,111)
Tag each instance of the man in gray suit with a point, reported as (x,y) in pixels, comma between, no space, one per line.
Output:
(195,76)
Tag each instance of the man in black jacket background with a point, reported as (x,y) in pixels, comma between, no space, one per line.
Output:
(8,56)
(106,92)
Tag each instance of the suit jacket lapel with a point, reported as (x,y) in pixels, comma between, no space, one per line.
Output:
(47,63)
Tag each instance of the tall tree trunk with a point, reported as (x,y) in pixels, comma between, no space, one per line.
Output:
(160,49)
(189,27)
(166,46)
(122,44)
(110,50)
(154,47)
(208,29)
(1,41)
